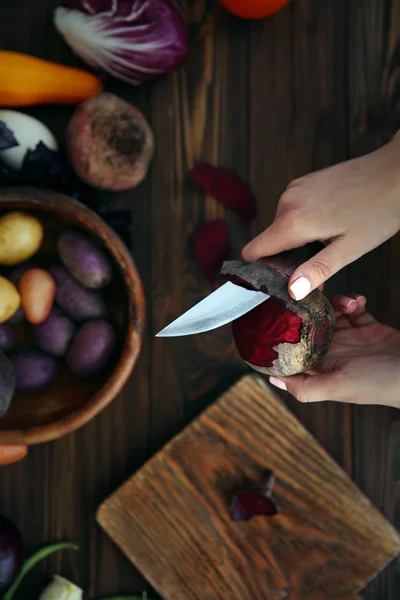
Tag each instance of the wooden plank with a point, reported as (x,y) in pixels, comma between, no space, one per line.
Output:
(172,518)
(192,115)
(298,125)
(374,115)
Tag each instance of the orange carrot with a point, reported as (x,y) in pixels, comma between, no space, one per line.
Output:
(12,454)
(27,81)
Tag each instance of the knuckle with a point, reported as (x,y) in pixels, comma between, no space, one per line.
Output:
(321,270)
(301,396)
(293,218)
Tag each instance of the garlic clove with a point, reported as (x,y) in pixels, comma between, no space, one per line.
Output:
(61,589)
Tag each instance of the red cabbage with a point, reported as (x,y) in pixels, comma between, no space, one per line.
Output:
(133,40)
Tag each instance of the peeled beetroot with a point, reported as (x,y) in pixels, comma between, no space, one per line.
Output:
(282,336)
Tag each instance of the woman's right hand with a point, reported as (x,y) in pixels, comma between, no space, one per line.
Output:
(352,207)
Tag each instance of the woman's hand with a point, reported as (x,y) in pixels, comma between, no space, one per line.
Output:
(353,207)
(362,365)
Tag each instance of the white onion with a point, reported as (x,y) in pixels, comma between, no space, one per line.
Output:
(28,132)
(61,589)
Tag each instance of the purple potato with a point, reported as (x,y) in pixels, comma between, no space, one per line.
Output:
(17,317)
(78,302)
(34,370)
(16,274)
(83,258)
(91,348)
(7,383)
(7,337)
(11,554)
(55,333)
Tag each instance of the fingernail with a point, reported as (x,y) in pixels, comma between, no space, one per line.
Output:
(346,302)
(278,383)
(300,288)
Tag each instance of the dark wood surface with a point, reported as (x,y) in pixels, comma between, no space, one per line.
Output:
(172,518)
(272,100)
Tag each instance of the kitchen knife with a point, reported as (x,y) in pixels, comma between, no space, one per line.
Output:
(227,303)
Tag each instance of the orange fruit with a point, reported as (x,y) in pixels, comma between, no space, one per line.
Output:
(253,9)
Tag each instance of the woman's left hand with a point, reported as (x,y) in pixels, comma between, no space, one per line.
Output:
(362,365)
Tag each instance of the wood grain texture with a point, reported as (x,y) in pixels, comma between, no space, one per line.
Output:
(172,517)
(272,100)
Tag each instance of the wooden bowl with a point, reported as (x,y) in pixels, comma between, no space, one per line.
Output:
(72,402)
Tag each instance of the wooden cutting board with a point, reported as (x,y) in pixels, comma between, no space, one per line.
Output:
(172,517)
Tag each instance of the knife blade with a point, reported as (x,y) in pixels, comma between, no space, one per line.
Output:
(227,303)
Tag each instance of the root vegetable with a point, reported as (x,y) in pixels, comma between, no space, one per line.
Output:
(20,237)
(78,302)
(34,371)
(55,333)
(91,348)
(7,383)
(282,336)
(37,288)
(110,143)
(84,259)
(9,299)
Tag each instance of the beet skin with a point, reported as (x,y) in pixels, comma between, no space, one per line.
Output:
(110,143)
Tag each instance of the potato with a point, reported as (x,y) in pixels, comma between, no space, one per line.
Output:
(54,335)
(91,348)
(9,299)
(78,302)
(37,289)
(20,237)
(7,383)
(7,337)
(84,259)
(34,371)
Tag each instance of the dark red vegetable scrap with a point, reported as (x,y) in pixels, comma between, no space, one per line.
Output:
(211,247)
(226,188)
(250,503)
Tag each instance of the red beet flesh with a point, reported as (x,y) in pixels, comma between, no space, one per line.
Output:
(261,330)
(251,503)
(280,337)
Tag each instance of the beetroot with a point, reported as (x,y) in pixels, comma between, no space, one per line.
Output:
(226,188)
(282,336)
(110,143)
(255,501)
(211,247)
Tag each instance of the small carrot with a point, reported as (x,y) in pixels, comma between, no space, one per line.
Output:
(26,81)
(12,454)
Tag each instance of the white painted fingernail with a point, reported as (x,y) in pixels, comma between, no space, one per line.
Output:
(300,288)
(278,383)
(347,302)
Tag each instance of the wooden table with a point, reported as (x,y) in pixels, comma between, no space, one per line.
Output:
(272,100)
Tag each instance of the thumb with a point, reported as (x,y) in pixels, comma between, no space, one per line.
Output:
(316,271)
(314,388)
(275,239)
